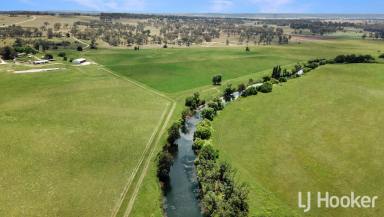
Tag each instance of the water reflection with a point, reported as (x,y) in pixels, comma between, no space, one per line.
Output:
(181,196)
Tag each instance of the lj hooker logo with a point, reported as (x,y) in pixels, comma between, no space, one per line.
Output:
(325,200)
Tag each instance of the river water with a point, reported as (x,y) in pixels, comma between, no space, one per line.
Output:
(181,197)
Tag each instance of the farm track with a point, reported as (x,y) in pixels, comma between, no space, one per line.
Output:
(125,205)
(81,42)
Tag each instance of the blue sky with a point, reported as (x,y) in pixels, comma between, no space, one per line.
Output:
(200,6)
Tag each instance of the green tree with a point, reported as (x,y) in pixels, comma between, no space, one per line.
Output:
(250,91)
(7,53)
(62,54)
(208,113)
(217,79)
(164,163)
(216,104)
(93,44)
(203,130)
(207,152)
(266,87)
(276,73)
(173,133)
(18,43)
(50,33)
(228,93)
(241,87)
(193,102)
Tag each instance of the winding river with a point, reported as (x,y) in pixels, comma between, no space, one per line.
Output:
(181,197)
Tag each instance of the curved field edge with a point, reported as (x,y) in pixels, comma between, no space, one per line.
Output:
(70,140)
(317,133)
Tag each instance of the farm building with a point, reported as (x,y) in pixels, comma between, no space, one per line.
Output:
(38,62)
(300,73)
(79,61)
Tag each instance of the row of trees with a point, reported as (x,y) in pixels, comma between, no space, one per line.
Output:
(353,58)
(220,193)
(166,156)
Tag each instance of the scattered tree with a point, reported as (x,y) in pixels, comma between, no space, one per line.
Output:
(93,44)
(48,56)
(216,80)
(62,54)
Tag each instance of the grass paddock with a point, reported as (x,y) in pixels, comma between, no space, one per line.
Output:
(322,132)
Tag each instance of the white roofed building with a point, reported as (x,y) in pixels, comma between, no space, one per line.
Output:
(79,61)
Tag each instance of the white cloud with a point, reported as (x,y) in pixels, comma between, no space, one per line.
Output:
(115,5)
(266,6)
(221,5)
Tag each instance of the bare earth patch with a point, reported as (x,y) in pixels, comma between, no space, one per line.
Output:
(36,70)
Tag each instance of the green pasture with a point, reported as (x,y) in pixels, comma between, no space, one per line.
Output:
(70,139)
(322,132)
(179,69)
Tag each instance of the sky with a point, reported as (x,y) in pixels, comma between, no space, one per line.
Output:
(200,6)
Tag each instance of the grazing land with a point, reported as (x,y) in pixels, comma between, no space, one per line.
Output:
(70,139)
(322,132)
(175,70)
(73,136)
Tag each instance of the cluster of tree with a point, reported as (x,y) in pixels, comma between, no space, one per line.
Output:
(228,93)
(250,91)
(18,31)
(213,108)
(376,31)
(276,72)
(260,34)
(266,87)
(220,193)
(353,58)
(318,26)
(194,102)
(381,56)
(39,45)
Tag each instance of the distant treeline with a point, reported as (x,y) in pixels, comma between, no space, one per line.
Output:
(16,13)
